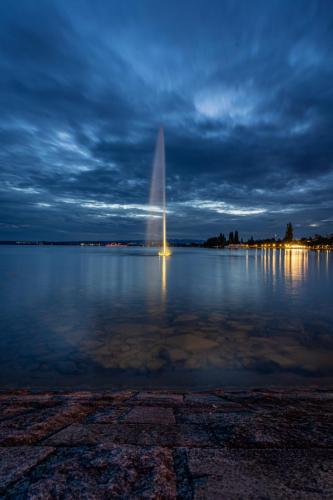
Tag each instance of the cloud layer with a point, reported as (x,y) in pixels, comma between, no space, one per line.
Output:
(243,90)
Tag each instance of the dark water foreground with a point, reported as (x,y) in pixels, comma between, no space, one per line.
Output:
(111,318)
(269,443)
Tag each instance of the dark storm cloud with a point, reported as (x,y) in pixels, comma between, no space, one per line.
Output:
(243,89)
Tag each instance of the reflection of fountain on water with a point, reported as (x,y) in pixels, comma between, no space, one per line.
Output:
(164,273)
(156,227)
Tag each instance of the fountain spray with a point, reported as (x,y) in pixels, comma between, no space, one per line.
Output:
(158,197)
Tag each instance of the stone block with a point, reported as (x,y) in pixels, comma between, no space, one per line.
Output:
(158,399)
(132,434)
(32,427)
(18,460)
(115,472)
(261,473)
(150,415)
(107,414)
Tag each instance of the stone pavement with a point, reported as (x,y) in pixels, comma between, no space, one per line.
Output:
(269,443)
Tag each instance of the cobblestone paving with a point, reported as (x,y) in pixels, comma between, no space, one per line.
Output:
(233,444)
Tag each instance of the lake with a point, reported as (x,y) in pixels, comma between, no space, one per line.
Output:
(98,317)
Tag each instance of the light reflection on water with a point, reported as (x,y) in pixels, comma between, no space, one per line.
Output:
(108,317)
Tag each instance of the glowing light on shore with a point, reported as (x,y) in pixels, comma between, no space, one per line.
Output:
(297,246)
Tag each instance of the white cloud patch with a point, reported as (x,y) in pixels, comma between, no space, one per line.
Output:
(43,205)
(223,208)
(27,190)
(99,205)
(237,105)
(66,142)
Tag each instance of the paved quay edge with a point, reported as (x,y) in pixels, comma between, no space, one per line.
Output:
(224,443)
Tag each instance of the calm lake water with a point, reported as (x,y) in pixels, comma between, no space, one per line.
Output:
(81,317)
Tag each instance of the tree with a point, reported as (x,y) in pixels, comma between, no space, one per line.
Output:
(212,242)
(236,238)
(289,236)
(222,240)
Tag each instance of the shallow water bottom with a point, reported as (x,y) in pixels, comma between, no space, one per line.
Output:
(111,318)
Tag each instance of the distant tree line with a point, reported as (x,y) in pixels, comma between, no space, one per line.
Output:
(314,241)
(221,241)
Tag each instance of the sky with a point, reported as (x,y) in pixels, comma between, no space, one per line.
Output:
(244,91)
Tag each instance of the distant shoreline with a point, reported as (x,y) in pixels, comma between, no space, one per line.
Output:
(190,244)
(121,243)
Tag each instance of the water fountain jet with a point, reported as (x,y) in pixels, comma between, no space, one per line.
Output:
(157,198)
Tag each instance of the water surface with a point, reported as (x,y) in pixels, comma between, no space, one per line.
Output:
(80,317)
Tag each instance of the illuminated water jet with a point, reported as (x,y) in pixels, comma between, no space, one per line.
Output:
(157,200)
